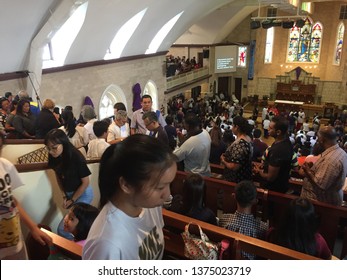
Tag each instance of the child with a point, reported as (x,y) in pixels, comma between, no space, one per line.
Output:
(243,221)
(96,147)
(79,220)
(12,246)
(194,186)
(134,183)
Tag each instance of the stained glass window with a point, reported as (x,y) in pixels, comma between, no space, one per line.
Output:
(339,43)
(242,57)
(305,42)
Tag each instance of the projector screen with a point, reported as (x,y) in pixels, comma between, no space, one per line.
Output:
(226,59)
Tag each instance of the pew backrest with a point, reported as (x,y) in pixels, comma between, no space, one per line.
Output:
(175,225)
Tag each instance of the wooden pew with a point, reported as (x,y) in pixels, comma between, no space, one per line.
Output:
(174,246)
(175,224)
(67,247)
(295,181)
(219,196)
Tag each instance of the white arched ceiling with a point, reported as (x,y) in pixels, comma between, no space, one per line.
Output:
(204,21)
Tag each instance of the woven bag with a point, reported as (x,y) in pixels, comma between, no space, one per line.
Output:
(199,248)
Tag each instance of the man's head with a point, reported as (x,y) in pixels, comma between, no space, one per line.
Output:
(119,106)
(150,120)
(146,103)
(191,121)
(246,194)
(121,118)
(256,133)
(100,129)
(278,127)
(23,94)
(327,137)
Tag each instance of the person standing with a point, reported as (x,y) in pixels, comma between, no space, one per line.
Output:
(71,171)
(150,120)
(195,147)
(134,182)
(277,158)
(238,156)
(11,215)
(137,124)
(325,178)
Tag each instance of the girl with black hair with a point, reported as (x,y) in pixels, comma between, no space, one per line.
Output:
(71,171)
(134,183)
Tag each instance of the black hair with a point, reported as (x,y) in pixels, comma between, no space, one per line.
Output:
(58,136)
(3,99)
(256,133)
(86,214)
(20,105)
(69,122)
(281,124)
(151,116)
(299,227)
(245,193)
(192,120)
(137,159)
(169,120)
(100,127)
(146,96)
(119,106)
(243,125)
(194,187)
(8,94)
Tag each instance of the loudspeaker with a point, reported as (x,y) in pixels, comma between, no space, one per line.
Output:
(266,24)
(255,24)
(206,53)
(287,24)
(300,23)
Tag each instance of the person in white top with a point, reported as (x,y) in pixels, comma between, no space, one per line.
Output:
(134,182)
(119,129)
(89,116)
(96,147)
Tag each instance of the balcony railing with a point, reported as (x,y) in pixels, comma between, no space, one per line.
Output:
(190,76)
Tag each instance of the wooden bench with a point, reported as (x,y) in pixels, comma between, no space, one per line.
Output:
(67,247)
(219,196)
(174,246)
(295,181)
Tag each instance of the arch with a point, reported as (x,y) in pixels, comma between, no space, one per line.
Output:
(339,43)
(151,89)
(110,96)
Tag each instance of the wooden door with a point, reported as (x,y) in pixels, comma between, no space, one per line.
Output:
(224,86)
(238,88)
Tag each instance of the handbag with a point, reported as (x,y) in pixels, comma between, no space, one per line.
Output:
(199,248)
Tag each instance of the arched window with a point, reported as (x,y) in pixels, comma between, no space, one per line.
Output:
(151,89)
(111,95)
(339,43)
(305,42)
(269,45)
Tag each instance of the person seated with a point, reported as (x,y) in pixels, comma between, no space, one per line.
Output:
(79,220)
(119,129)
(96,147)
(194,187)
(24,121)
(243,220)
(299,230)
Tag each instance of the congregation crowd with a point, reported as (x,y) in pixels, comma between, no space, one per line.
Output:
(193,134)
